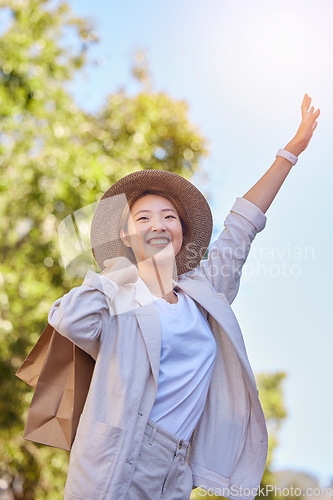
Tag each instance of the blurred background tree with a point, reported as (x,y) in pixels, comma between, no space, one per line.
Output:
(271,397)
(55,159)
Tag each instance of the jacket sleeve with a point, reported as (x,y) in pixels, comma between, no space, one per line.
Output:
(78,315)
(228,253)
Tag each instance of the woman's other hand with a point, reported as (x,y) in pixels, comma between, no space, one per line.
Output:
(120,270)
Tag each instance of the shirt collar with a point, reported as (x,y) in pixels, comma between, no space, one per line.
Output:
(142,293)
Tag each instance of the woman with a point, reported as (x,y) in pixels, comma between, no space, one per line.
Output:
(173,402)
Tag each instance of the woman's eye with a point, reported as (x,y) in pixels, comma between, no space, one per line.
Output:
(146,218)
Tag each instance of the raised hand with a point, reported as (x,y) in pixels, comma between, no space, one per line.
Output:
(120,270)
(308,124)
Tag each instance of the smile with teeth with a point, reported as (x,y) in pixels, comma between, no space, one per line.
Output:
(158,241)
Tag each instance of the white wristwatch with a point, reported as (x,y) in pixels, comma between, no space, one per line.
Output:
(288,156)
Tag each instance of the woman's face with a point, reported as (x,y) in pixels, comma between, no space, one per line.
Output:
(154,229)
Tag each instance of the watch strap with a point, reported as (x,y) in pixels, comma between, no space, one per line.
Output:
(288,156)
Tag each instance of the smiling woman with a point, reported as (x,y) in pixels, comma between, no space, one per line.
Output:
(154,224)
(170,202)
(154,235)
(173,402)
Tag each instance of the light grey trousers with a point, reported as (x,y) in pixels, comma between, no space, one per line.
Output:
(162,471)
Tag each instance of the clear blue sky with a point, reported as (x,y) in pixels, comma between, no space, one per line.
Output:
(243,67)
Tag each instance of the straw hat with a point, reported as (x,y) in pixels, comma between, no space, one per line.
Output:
(104,233)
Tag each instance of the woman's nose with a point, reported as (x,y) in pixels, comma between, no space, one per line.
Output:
(158,224)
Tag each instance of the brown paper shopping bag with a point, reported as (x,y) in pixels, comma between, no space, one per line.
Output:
(61,373)
(30,369)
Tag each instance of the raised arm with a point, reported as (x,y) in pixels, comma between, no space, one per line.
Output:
(264,191)
(227,255)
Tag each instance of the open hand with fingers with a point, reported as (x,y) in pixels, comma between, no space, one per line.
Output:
(307,126)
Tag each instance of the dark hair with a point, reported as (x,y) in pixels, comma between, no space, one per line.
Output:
(184,220)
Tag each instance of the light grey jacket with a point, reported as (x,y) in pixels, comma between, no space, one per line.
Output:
(120,328)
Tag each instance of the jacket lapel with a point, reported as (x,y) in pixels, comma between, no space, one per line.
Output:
(215,303)
(149,324)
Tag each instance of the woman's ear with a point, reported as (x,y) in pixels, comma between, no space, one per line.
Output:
(125,238)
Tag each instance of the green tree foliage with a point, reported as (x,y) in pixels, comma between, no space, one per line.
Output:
(291,483)
(55,158)
(271,396)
